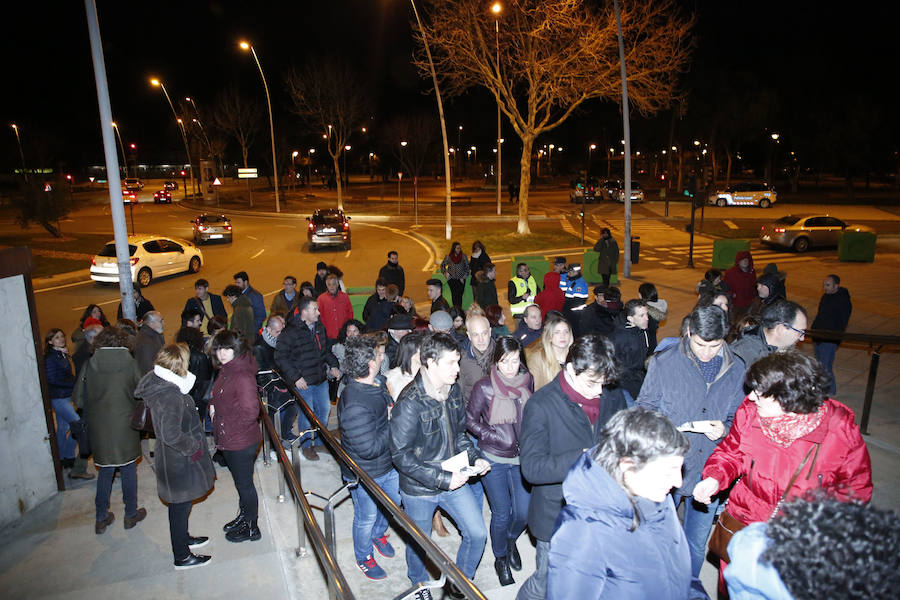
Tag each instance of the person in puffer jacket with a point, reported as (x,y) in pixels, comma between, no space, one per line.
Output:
(618,535)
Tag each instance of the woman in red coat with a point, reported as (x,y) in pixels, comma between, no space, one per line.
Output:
(235,412)
(787,426)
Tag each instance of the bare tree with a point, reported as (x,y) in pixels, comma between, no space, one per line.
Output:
(553,56)
(239,117)
(329,98)
(414,140)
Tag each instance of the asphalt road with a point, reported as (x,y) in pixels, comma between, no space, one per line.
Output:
(268,248)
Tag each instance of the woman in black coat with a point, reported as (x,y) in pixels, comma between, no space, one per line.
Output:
(184,471)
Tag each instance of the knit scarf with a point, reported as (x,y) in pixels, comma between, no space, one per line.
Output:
(268,337)
(785,429)
(590,406)
(483,358)
(456,256)
(506,391)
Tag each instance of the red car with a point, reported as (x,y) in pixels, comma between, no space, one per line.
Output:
(162,196)
(129,197)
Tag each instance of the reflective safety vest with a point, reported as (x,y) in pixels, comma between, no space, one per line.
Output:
(521,288)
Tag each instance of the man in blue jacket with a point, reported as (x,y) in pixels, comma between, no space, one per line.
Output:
(698,384)
(242,280)
(365,435)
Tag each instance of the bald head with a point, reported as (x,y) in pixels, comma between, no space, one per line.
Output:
(479,331)
(154,320)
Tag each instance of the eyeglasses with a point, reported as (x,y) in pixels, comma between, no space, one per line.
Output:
(792,328)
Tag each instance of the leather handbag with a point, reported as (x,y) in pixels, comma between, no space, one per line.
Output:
(141,418)
(726,525)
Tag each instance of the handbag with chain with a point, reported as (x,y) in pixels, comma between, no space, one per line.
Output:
(726,525)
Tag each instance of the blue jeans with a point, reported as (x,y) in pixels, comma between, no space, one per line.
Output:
(65,414)
(698,521)
(535,587)
(129,489)
(316,397)
(825,352)
(460,505)
(509,505)
(370,520)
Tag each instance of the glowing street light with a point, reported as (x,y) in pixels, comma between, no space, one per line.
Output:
(157,83)
(21,154)
(121,147)
(248,47)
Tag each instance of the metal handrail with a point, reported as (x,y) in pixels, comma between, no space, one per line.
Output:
(876,343)
(337,583)
(443,562)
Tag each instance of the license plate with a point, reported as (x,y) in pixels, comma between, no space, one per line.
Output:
(215,236)
(327,230)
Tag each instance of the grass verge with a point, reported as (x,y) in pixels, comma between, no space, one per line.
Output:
(500,238)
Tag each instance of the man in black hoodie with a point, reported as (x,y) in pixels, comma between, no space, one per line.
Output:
(834,315)
(392,272)
(365,435)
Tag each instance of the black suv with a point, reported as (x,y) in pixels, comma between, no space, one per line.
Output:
(328,227)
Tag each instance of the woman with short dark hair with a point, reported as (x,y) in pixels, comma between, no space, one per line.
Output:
(60,381)
(235,414)
(618,535)
(494,416)
(184,471)
(788,437)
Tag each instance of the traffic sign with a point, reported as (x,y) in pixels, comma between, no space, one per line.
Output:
(217,182)
(248,173)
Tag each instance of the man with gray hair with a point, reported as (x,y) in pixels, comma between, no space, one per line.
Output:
(782,324)
(149,340)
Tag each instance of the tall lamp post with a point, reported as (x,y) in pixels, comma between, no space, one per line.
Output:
(21,154)
(497,8)
(157,83)
(309,167)
(249,47)
(346,175)
(121,147)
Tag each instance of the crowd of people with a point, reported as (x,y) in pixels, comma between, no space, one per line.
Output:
(576,422)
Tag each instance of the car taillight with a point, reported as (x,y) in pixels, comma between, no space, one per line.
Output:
(312,227)
(228,227)
(346,225)
(93,262)
(202,227)
(779,230)
(134,260)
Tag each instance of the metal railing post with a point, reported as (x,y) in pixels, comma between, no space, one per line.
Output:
(870,390)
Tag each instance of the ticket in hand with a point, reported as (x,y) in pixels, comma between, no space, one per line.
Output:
(697,427)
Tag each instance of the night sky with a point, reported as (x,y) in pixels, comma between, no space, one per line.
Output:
(806,51)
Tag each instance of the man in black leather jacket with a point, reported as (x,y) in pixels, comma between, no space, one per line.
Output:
(428,426)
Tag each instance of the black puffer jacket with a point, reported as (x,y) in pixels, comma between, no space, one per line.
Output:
(365,435)
(596,318)
(424,432)
(555,432)
(301,352)
(632,348)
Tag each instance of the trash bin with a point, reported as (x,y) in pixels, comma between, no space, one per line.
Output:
(858,246)
(635,249)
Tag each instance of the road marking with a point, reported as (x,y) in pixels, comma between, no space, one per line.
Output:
(77,308)
(347,254)
(60,287)
(257,254)
(431,259)
(250,237)
(730,224)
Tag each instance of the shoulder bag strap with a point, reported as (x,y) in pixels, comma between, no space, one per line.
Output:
(796,475)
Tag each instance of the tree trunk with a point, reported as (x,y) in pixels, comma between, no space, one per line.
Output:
(524,183)
(337,177)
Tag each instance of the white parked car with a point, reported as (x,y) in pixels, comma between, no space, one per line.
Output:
(151,256)
(637,194)
(746,194)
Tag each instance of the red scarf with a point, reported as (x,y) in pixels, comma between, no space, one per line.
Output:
(456,256)
(784,429)
(590,406)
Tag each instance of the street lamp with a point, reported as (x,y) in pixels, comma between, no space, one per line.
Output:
(294,155)
(121,147)
(248,47)
(346,175)
(591,148)
(21,154)
(199,124)
(497,8)
(550,160)
(309,166)
(157,83)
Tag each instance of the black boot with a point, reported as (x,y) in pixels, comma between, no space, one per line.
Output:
(233,524)
(247,530)
(501,565)
(512,556)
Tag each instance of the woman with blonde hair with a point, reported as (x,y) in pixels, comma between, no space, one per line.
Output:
(546,356)
(184,470)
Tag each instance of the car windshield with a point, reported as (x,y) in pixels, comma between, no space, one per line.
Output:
(214,219)
(110,250)
(788,220)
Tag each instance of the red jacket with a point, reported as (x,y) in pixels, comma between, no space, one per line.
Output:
(235,401)
(741,284)
(334,311)
(842,467)
(551,297)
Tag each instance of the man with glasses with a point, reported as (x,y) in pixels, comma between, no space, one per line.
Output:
(561,421)
(782,324)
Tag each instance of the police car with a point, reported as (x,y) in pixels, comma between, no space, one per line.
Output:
(746,194)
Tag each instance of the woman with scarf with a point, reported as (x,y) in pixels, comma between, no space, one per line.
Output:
(184,471)
(788,438)
(234,408)
(455,268)
(494,416)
